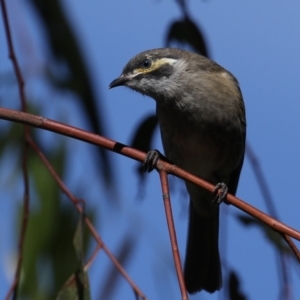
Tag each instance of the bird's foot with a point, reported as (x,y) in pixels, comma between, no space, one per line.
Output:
(220,191)
(151,160)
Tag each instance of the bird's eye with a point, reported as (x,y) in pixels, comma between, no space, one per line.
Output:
(146,63)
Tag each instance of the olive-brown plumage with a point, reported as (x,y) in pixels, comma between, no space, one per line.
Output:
(202,121)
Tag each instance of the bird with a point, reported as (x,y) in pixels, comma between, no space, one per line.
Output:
(202,120)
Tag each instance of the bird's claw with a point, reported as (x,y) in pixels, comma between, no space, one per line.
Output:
(150,161)
(220,191)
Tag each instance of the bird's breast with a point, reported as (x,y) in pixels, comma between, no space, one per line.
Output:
(199,146)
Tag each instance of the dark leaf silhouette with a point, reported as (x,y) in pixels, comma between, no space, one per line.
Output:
(185,31)
(234,287)
(142,138)
(271,235)
(68,70)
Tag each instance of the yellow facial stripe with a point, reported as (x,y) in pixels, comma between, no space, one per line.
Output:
(155,65)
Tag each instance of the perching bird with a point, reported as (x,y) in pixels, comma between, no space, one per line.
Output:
(202,120)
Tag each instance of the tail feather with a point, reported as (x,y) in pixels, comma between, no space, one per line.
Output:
(202,269)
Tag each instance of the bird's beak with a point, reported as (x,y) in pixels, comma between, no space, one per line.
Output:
(119,81)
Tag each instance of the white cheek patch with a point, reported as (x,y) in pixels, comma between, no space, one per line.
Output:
(135,73)
(180,64)
(156,65)
(170,61)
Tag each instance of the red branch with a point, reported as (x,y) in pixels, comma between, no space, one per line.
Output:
(162,167)
(26,197)
(40,122)
(13,291)
(172,232)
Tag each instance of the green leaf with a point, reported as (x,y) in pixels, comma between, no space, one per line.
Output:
(77,286)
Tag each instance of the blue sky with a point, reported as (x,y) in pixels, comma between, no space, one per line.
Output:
(259,43)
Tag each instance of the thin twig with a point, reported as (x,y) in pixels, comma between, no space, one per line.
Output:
(292,246)
(89,224)
(12,56)
(40,122)
(26,198)
(28,141)
(268,199)
(172,232)
(261,181)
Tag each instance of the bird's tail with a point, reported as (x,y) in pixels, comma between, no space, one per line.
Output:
(202,269)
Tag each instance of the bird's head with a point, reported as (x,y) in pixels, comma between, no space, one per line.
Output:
(154,73)
(182,78)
